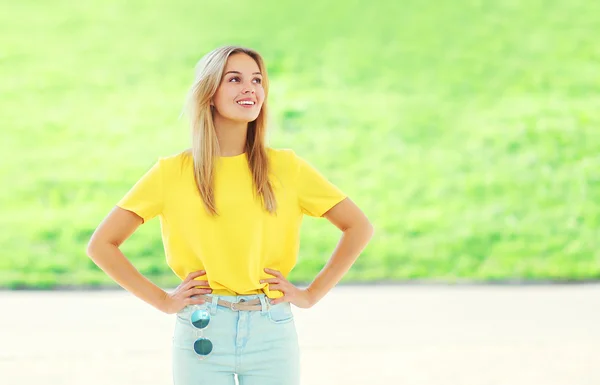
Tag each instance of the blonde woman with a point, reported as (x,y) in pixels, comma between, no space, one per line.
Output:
(230,210)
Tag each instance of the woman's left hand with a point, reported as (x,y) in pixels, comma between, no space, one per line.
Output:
(299,297)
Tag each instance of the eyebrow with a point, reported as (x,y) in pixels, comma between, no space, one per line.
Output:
(238,72)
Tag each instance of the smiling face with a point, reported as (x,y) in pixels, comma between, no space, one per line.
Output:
(240,95)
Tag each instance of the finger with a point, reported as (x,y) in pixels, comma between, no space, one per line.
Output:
(270,280)
(191,292)
(193,301)
(279,300)
(273,272)
(195,274)
(276,287)
(193,283)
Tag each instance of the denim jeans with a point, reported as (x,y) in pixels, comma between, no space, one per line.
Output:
(260,347)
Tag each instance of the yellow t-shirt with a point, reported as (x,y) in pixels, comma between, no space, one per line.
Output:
(236,246)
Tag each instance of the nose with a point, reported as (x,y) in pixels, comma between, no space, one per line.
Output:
(248,88)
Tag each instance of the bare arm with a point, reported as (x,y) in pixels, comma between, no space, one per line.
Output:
(357,232)
(103,249)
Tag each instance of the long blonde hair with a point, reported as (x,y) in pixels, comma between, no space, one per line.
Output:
(205,146)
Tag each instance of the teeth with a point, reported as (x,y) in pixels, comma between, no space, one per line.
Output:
(248,102)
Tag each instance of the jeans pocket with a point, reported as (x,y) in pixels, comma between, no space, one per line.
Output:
(183,335)
(281,313)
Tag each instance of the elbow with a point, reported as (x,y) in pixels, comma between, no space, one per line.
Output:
(92,245)
(370,230)
(97,247)
(364,227)
(91,248)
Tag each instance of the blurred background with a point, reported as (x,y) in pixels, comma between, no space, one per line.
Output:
(466,130)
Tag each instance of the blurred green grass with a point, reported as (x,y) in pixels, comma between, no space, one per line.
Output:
(467,131)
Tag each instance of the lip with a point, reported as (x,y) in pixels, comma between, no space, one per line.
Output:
(246,100)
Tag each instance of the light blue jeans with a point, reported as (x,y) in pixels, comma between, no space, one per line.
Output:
(260,347)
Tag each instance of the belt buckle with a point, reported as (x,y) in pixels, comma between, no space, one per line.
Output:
(232,306)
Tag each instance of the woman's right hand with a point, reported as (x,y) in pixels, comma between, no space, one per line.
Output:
(182,296)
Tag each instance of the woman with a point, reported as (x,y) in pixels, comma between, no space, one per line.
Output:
(230,211)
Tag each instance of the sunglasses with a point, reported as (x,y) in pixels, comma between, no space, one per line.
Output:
(200,319)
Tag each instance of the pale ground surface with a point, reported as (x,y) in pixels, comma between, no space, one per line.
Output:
(375,335)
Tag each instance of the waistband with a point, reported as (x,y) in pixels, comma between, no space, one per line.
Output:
(253,302)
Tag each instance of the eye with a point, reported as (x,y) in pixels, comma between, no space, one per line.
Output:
(236,78)
(258,80)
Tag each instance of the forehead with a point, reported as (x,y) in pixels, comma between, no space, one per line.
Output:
(242,63)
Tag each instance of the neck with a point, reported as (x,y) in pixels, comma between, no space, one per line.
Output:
(231,136)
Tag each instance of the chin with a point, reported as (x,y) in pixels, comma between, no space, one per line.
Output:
(245,119)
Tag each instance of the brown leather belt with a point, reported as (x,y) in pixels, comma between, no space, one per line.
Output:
(253,305)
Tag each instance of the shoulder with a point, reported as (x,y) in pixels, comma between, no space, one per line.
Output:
(175,164)
(282,156)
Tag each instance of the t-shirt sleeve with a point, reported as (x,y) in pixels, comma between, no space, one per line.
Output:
(316,194)
(146,197)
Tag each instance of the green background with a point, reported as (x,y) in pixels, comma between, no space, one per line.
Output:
(468,131)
